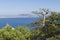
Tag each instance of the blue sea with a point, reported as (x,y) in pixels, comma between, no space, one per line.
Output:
(15,22)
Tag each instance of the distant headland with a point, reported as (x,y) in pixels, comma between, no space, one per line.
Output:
(19,16)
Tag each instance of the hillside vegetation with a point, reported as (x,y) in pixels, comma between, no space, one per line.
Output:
(23,33)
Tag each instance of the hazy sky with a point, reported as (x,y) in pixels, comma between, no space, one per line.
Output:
(16,7)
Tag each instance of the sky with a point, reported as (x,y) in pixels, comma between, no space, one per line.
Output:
(16,7)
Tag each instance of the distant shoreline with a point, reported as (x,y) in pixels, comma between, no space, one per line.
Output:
(19,16)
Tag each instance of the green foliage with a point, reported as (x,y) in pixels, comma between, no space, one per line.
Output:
(52,26)
(25,31)
(8,33)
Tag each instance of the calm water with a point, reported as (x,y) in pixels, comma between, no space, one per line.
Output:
(14,22)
